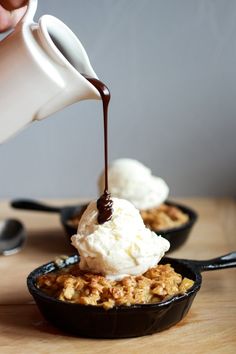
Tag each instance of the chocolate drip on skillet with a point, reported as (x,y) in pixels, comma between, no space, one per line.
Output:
(104,203)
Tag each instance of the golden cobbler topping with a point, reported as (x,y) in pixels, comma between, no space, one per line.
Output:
(164,217)
(70,284)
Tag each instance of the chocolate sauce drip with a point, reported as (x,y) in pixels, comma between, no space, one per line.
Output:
(104,203)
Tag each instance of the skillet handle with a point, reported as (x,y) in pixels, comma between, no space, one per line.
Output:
(226,261)
(27,204)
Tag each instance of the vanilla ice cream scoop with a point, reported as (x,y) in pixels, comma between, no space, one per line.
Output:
(121,246)
(131,180)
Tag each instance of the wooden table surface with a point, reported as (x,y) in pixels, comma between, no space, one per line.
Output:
(209,327)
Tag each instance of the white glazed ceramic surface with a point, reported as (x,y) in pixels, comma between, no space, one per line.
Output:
(40,66)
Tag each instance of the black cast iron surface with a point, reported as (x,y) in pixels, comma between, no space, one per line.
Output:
(123,321)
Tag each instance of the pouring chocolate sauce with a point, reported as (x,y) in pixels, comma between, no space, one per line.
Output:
(104,203)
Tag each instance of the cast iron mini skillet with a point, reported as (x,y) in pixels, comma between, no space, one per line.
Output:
(123,321)
(176,236)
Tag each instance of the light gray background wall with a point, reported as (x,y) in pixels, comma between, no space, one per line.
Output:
(171,68)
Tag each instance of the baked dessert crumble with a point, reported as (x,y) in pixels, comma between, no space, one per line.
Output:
(164,217)
(70,284)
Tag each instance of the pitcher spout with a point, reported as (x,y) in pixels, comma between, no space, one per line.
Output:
(71,60)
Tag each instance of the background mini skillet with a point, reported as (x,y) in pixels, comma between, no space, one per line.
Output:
(176,236)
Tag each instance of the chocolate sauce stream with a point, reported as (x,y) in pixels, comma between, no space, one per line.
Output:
(104,203)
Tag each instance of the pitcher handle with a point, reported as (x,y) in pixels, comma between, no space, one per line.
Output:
(30,12)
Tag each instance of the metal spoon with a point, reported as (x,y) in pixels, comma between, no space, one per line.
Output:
(12,236)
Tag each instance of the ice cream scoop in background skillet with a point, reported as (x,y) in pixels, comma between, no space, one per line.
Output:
(123,321)
(176,236)
(130,179)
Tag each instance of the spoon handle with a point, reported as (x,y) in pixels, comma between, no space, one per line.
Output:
(222,262)
(27,204)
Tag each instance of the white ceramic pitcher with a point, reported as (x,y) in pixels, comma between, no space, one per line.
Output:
(40,66)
